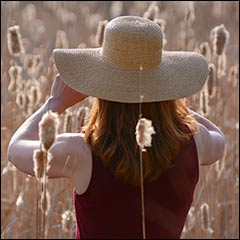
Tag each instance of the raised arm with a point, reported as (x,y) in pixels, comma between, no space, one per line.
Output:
(25,140)
(210,140)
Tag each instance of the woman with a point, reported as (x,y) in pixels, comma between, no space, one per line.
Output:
(130,72)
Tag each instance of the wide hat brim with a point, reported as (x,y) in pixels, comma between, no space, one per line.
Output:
(179,74)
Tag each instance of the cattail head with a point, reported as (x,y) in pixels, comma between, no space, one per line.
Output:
(222,62)
(39,159)
(20,200)
(48,128)
(116,9)
(204,102)
(67,218)
(100,32)
(45,202)
(191,219)
(205,218)
(190,13)
(161,23)
(34,95)
(68,119)
(15,73)
(37,64)
(219,36)
(152,11)
(61,39)
(233,76)
(14,38)
(21,100)
(144,131)
(205,50)
(82,45)
(81,117)
(28,63)
(211,79)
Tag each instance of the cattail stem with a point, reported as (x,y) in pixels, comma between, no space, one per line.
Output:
(186,34)
(142,196)
(141,158)
(37,208)
(44,197)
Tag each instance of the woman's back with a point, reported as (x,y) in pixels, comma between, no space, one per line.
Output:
(112,209)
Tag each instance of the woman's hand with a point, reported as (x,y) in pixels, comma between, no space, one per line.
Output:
(64,95)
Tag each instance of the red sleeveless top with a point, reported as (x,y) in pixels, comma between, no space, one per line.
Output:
(111,209)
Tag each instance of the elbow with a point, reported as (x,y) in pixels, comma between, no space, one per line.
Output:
(216,152)
(10,153)
(222,146)
(220,151)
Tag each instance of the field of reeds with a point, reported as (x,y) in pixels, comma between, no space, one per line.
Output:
(29,33)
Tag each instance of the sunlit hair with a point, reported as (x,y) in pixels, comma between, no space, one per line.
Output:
(110,133)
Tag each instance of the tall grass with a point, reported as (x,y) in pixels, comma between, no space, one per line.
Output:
(27,73)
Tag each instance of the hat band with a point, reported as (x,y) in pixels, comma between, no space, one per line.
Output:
(132,54)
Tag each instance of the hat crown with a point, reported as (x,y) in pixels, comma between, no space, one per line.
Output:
(130,42)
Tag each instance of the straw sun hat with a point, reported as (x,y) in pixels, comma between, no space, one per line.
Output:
(132,63)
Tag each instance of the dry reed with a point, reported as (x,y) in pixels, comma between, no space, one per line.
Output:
(100,33)
(73,19)
(15,45)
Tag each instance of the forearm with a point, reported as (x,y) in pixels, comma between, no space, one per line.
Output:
(29,129)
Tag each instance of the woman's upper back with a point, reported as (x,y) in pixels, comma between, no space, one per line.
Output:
(109,208)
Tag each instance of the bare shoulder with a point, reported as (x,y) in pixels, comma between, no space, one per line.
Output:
(79,164)
(74,141)
(210,145)
(70,152)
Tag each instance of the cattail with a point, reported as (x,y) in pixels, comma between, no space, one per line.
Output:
(81,117)
(43,83)
(67,218)
(48,127)
(221,165)
(144,130)
(222,220)
(205,218)
(161,23)
(45,202)
(205,50)
(100,32)
(15,73)
(21,100)
(14,38)
(68,122)
(211,79)
(221,65)
(204,102)
(191,219)
(20,201)
(116,9)
(34,95)
(37,65)
(219,36)
(39,159)
(152,11)
(233,76)
(61,40)
(28,63)
(82,45)
(190,12)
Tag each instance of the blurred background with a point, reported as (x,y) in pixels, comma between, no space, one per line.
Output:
(30,30)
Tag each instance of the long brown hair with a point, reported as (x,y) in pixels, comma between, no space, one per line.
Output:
(110,133)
